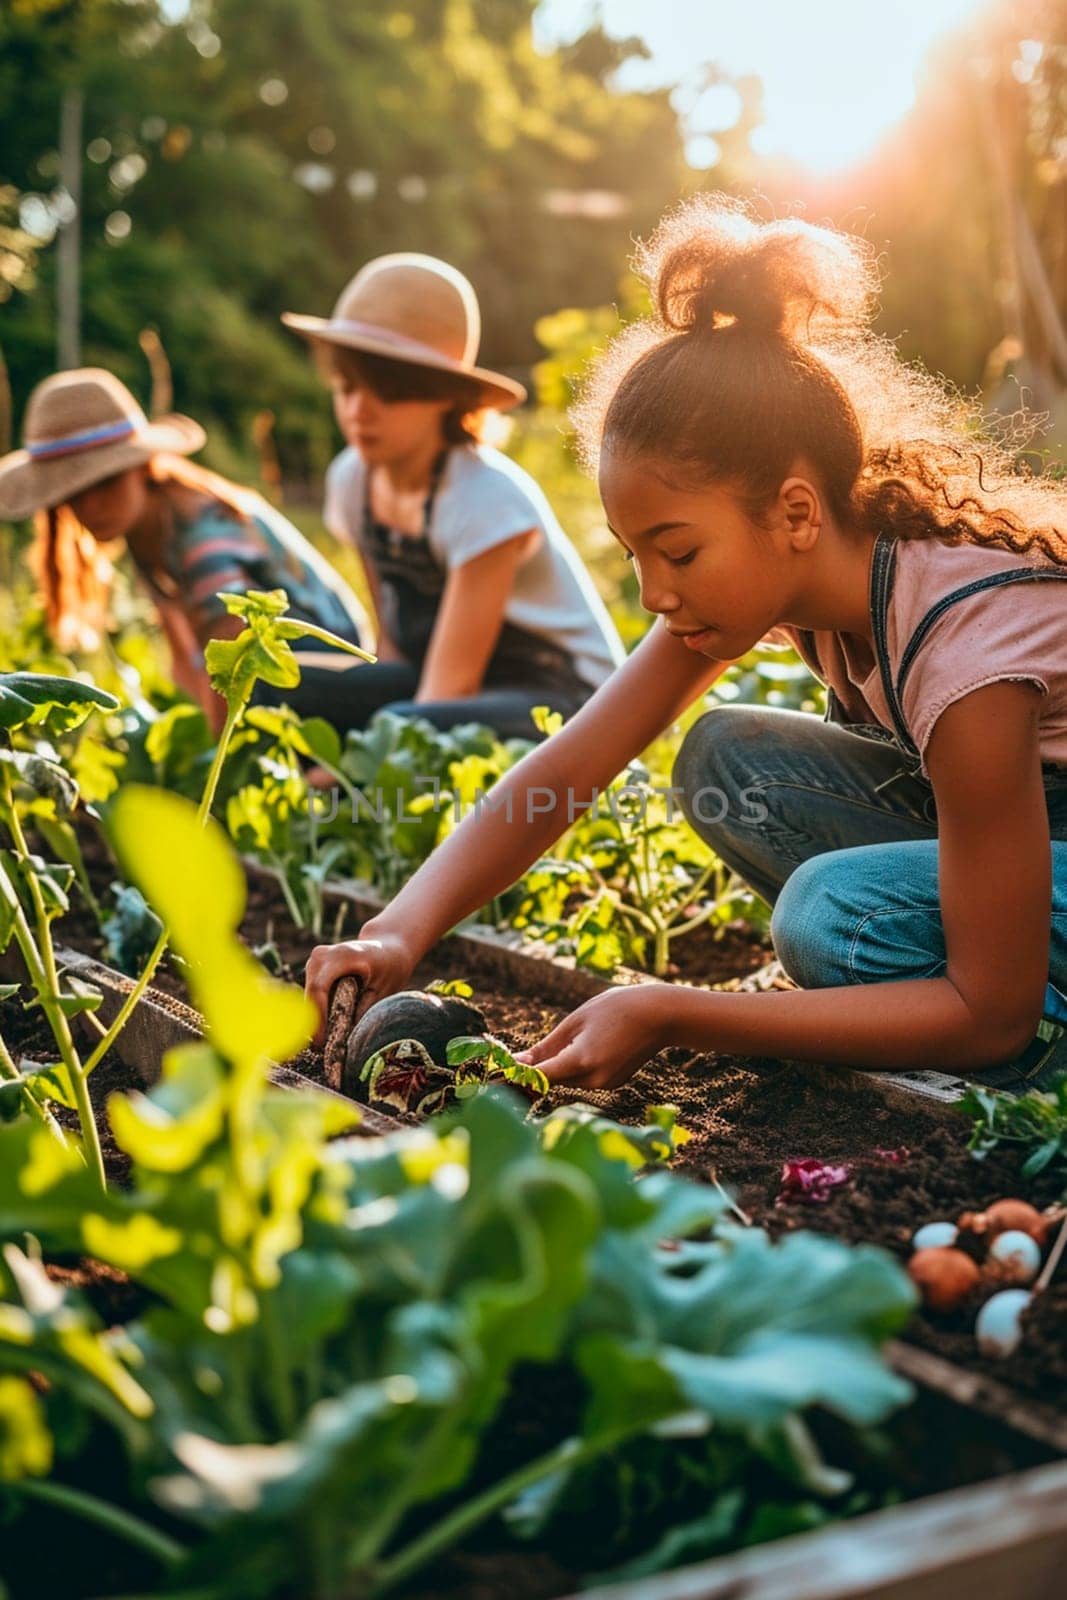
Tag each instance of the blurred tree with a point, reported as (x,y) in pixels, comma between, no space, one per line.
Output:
(243,159)
(967,203)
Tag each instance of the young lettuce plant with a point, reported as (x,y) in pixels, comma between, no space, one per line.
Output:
(404,1075)
(629,877)
(1036,1122)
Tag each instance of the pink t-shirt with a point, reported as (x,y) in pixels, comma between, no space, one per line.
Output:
(1017,631)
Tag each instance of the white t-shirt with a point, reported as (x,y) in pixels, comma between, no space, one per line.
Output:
(483,500)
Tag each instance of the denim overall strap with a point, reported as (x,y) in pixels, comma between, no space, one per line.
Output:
(437,472)
(1047,1053)
(883,570)
(995,581)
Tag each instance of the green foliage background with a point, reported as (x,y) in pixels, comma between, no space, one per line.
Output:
(261,153)
(467,130)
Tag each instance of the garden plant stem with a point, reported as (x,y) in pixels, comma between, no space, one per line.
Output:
(10,1073)
(40,960)
(451,1528)
(203,811)
(123,1523)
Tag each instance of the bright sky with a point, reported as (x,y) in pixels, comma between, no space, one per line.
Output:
(837,74)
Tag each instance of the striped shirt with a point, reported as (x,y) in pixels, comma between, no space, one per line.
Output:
(216,551)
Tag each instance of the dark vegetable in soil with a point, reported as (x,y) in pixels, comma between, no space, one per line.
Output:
(429,1018)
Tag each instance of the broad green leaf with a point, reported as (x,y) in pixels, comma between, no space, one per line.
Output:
(188,874)
(132,930)
(60,703)
(178,734)
(48,780)
(264,604)
(168,1130)
(49,1081)
(322,740)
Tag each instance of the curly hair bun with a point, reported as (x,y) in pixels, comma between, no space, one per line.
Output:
(710,264)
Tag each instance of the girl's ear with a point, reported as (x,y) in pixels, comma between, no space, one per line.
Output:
(801,512)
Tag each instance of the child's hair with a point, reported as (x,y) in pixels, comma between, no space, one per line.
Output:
(760,351)
(391,381)
(74,574)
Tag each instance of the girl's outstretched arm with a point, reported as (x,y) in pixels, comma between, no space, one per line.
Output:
(995,896)
(520,818)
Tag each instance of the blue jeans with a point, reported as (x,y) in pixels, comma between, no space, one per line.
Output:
(838,834)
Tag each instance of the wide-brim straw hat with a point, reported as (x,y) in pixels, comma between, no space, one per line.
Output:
(80,427)
(413,308)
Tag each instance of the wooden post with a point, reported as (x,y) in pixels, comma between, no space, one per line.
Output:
(68,326)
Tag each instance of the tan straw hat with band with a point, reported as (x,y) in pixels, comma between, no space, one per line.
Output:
(412,308)
(80,427)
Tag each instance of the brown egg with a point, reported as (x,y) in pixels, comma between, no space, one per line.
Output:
(1006,1216)
(945,1277)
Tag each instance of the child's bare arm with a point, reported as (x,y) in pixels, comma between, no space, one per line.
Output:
(995,894)
(542,794)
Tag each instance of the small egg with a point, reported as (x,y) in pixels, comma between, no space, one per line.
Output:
(934,1235)
(1017,1254)
(998,1327)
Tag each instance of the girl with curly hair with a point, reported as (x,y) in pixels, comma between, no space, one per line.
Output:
(776,472)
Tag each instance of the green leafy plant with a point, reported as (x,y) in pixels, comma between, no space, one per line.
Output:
(334,1324)
(627,881)
(131,931)
(405,1076)
(1036,1122)
(260,650)
(408,777)
(275,817)
(34,892)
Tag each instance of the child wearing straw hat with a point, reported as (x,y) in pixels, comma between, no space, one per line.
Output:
(484,607)
(94,471)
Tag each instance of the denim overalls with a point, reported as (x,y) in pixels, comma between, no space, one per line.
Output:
(524,671)
(834,825)
(412,581)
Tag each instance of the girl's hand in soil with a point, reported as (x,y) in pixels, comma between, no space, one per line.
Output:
(382,962)
(605,1041)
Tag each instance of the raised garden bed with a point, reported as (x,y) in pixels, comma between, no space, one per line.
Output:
(974,1421)
(746,1118)
(959,1432)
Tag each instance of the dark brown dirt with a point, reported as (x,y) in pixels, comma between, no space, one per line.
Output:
(710,955)
(27,1035)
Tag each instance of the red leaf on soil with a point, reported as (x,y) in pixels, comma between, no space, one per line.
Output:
(810,1180)
(896,1156)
